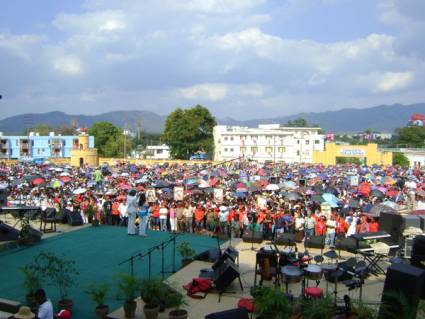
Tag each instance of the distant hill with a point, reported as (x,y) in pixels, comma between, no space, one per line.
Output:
(383,118)
(151,122)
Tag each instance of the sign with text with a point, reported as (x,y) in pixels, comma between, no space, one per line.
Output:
(352,152)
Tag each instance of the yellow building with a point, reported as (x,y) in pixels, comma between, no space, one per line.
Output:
(82,154)
(369,152)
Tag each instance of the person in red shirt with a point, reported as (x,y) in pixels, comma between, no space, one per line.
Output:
(320,227)
(341,227)
(155,217)
(374,226)
(115,212)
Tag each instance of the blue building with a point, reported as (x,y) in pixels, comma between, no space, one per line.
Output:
(34,146)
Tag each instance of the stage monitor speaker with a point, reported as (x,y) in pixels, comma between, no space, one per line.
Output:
(239,313)
(225,274)
(75,219)
(230,253)
(63,216)
(346,243)
(315,242)
(418,252)
(410,221)
(404,286)
(211,255)
(285,239)
(3,197)
(8,233)
(392,224)
(250,236)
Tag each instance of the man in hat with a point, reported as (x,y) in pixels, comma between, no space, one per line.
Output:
(23,313)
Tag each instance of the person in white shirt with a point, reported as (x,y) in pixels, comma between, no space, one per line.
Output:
(45,308)
(330,231)
(132,208)
(163,214)
(123,213)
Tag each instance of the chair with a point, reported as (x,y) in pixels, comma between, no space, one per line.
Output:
(48,216)
(267,266)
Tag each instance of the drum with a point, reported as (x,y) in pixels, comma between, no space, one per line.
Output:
(292,274)
(313,272)
(328,267)
(287,258)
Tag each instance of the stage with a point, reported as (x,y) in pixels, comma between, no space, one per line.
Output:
(97,251)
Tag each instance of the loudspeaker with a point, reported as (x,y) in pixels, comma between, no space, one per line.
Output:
(225,274)
(315,242)
(3,197)
(391,223)
(285,239)
(75,219)
(346,243)
(403,284)
(410,221)
(8,233)
(63,216)
(239,313)
(230,253)
(36,234)
(408,246)
(418,252)
(250,236)
(211,255)
(50,212)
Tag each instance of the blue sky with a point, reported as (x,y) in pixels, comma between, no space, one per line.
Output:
(240,58)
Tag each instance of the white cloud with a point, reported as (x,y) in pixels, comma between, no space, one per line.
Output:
(393,81)
(69,65)
(206,91)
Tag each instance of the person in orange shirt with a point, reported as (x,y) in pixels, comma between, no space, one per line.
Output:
(155,217)
(320,227)
(199,218)
(374,226)
(115,212)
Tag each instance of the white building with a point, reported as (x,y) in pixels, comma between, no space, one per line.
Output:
(269,142)
(157,152)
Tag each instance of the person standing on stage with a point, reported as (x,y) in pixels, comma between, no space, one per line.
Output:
(144,211)
(132,207)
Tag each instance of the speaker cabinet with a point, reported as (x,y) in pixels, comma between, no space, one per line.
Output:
(418,252)
(225,274)
(392,224)
(3,197)
(404,286)
(315,242)
(410,221)
(75,219)
(285,239)
(422,219)
(8,233)
(250,236)
(346,243)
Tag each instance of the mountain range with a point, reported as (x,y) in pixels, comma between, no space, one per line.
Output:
(383,118)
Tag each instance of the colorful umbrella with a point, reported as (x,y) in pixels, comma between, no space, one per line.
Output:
(65,179)
(38,181)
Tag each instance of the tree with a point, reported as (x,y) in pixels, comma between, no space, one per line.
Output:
(411,136)
(106,138)
(45,129)
(188,131)
(400,159)
(300,122)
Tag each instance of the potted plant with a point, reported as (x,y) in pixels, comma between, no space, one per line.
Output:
(360,310)
(177,300)
(129,286)
(25,236)
(271,303)
(151,291)
(317,308)
(97,293)
(31,283)
(186,252)
(59,272)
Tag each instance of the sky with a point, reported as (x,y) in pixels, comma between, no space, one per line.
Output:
(240,58)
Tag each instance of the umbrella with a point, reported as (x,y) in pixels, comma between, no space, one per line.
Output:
(317,198)
(378,209)
(3,186)
(330,198)
(65,179)
(65,174)
(239,195)
(203,184)
(161,184)
(289,185)
(272,187)
(125,187)
(38,181)
(56,184)
(354,203)
(254,188)
(242,190)
(79,191)
(332,190)
(377,193)
(293,196)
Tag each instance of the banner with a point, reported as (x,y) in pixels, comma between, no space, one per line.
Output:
(218,195)
(178,193)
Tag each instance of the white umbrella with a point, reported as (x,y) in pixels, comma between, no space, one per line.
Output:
(79,191)
(272,187)
(65,174)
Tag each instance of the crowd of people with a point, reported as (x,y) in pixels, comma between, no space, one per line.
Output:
(303,199)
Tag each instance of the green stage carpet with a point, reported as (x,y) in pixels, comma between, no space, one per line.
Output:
(97,252)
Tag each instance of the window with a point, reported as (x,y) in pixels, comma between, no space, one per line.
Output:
(243,149)
(159,151)
(231,150)
(307,142)
(219,141)
(225,149)
(254,149)
(298,141)
(17,143)
(316,141)
(281,150)
(64,142)
(298,153)
(225,138)
(269,149)
(231,138)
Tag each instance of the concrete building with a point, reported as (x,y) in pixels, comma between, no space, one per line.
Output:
(416,156)
(34,146)
(157,152)
(270,142)
(84,154)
